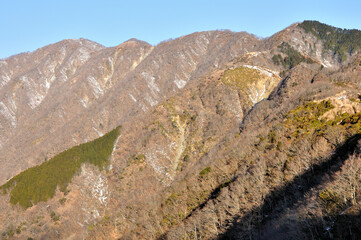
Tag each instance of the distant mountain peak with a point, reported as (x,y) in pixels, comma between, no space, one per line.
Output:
(132,43)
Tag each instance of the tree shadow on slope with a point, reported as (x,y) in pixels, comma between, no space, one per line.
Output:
(278,201)
(343,226)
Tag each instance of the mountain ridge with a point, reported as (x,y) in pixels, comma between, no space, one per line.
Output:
(206,119)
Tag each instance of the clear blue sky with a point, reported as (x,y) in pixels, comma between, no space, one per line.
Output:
(26,25)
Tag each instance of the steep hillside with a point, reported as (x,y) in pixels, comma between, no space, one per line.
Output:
(154,149)
(341,42)
(223,136)
(284,154)
(84,101)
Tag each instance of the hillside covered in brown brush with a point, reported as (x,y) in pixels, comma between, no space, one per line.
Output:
(213,135)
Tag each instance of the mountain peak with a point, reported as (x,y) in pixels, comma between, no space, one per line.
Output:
(220,132)
(132,42)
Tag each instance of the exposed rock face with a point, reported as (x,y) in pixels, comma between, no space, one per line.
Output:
(209,130)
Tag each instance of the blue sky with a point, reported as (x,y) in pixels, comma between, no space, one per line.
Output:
(27,25)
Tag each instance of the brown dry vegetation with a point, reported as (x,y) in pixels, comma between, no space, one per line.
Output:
(208,163)
(232,190)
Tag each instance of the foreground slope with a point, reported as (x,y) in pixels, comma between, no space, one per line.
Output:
(280,180)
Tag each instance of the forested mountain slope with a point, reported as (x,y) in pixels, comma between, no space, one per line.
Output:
(216,135)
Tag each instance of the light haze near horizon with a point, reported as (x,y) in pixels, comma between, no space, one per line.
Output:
(28,25)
